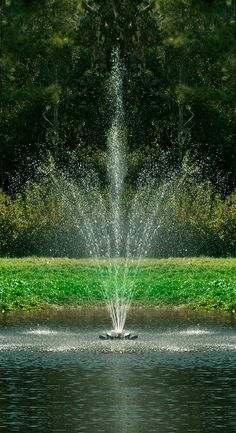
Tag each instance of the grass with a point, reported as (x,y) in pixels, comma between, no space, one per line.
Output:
(39,282)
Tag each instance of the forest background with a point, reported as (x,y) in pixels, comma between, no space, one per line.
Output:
(179,96)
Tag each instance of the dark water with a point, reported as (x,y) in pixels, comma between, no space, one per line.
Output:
(179,376)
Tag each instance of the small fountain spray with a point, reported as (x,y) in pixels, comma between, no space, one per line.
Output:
(118,300)
(130,232)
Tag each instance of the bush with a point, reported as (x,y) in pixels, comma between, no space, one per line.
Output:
(48,216)
(195,220)
(12,224)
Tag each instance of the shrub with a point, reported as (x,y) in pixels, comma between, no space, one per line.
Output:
(12,223)
(47,216)
(195,220)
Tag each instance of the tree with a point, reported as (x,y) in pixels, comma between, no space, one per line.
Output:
(178,86)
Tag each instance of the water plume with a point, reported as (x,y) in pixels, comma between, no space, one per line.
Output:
(116,233)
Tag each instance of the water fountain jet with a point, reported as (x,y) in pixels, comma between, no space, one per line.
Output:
(130,231)
(116,236)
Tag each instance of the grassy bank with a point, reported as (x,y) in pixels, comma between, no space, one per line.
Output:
(38,282)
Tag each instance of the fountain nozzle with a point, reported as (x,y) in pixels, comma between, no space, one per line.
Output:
(115,335)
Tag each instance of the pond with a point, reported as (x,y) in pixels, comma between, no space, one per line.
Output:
(177,377)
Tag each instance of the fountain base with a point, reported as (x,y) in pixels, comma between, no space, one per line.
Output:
(114,335)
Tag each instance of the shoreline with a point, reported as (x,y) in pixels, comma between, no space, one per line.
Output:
(97,316)
(95,305)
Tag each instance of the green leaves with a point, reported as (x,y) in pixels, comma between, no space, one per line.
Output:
(179,84)
(53,93)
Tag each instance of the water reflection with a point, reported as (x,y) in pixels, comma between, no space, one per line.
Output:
(143,392)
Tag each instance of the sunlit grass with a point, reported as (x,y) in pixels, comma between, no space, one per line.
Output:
(37,282)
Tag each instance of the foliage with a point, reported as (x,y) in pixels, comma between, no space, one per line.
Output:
(194,219)
(179,83)
(47,217)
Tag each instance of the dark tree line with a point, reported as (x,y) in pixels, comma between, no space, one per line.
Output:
(179,97)
(179,83)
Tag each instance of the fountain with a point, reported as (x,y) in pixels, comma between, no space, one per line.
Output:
(118,302)
(117,236)
(131,230)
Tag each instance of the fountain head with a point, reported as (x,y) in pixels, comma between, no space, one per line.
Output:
(116,335)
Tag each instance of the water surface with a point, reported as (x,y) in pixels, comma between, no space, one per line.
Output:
(179,376)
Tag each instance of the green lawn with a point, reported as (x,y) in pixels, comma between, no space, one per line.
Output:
(38,282)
